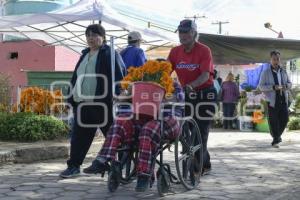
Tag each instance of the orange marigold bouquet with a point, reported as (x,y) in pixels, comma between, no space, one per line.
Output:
(41,101)
(151,71)
(257,117)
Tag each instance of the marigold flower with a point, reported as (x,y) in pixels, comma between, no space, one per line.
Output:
(153,71)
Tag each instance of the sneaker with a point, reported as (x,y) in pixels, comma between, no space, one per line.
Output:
(71,171)
(142,183)
(97,167)
(275,142)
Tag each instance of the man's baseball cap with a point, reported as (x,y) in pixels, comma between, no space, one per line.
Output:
(186,25)
(134,35)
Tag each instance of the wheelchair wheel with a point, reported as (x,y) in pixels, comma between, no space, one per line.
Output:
(189,154)
(128,162)
(114,177)
(163,183)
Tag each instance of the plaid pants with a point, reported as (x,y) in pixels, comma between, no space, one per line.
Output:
(149,136)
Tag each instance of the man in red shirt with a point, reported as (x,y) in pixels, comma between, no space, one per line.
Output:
(192,61)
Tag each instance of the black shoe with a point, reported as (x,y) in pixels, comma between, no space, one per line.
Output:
(97,167)
(143,183)
(206,170)
(276,142)
(71,171)
(276,145)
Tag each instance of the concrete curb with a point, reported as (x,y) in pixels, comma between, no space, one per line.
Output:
(41,153)
(20,153)
(7,157)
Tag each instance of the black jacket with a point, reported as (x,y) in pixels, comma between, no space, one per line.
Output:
(103,67)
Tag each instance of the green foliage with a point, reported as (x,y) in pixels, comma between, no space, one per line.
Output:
(248,88)
(155,77)
(30,127)
(264,104)
(3,121)
(297,101)
(217,123)
(294,123)
(5,92)
(242,101)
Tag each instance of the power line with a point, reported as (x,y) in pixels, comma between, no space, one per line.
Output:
(219,6)
(149,23)
(209,5)
(220,9)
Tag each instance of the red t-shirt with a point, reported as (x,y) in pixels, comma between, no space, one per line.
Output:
(189,66)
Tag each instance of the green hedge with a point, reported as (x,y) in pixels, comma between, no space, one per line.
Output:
(297,101)
(294,123)
(29,127)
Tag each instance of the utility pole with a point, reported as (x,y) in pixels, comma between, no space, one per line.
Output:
(220,23)
(195,17)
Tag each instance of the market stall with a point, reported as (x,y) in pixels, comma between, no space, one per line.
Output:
(247,57)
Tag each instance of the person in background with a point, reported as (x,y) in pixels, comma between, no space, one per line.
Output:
(219,79)
(86,93)
(275,83)
(229,97)
(216,82)
(133,55)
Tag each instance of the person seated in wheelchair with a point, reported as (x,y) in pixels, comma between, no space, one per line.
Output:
(148,133)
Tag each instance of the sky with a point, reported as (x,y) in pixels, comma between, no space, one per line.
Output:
(246,17)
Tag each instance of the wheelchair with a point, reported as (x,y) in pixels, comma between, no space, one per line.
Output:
(188,153)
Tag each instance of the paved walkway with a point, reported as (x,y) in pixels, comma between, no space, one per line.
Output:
(244,167)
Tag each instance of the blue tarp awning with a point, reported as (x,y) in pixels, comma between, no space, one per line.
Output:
(253,76)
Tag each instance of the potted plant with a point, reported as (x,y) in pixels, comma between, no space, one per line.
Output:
(149,85)
(260,119)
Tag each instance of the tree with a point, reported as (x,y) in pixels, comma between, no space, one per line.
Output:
(5,92)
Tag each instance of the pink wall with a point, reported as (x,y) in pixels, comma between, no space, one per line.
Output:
(34,57)
(30,57)
(65,59)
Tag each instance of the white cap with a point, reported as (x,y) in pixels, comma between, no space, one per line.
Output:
(134,35)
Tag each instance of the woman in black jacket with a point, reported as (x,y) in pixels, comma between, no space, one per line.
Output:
(90,95)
